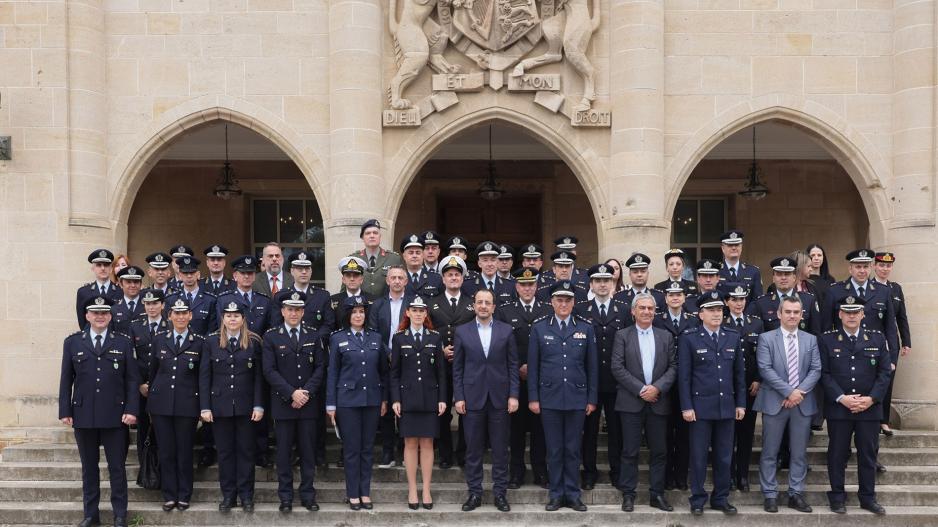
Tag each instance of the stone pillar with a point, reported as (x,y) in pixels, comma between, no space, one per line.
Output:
(637,190)
(356,169)
(87,114)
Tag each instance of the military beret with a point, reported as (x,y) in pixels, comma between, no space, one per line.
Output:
(368,224)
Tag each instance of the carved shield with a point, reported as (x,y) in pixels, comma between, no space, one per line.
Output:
(495,24)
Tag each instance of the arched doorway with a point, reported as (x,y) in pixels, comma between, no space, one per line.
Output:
(543,197)
(177,200)
(812,198)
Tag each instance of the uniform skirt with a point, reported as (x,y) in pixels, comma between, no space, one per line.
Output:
(419,424)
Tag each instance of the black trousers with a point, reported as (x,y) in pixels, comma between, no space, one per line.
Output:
(711,439)
(236,442)
(321,424)
(263,427)
(114,441)
(524,423)
(358,427)
(678,443)
(492,424)
(887,400)
(300,433)
(176,439)
(607,405)
(865,435)
(655,427)
(389,435)
(742,454)
(143,428)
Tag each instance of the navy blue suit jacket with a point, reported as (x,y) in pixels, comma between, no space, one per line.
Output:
(379,317)
(477,378)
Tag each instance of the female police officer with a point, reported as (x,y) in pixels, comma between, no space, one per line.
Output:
(357,390)
(230,394)
(174,403)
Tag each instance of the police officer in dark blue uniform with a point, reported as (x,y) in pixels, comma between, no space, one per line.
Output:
(459,246)
(101,261)
(129,307)
(159,273)
(784,279)
(637,266)
(173,403)
(567,243)
(98,397)
(607,316)
(855,363)
(487,277)
(230,396)
(711,381)
(419,281)
(216,282)
(533,256)
(506,262)
(674,262)
(521,315)
(257,309)
(318,313)
(142,331)
(676,319)
(563,387)
(294,365)
(201,303)
(732,269)
(882,269)
(749,328)
(179,251)
(357,396)
(562,270)
(431,250)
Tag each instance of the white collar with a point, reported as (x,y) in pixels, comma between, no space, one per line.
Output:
(449,297)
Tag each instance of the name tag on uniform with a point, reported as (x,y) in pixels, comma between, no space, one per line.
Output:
(281,347)
(309,344)
(548,337)
(115,352)
(836,350)
(731,350)
(343,344)
(80,353)
(429,345)
(871,349)
(702,350)
(579,335)
(192,353)
(406,346)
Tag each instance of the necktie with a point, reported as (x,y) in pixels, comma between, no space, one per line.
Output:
(732,274)
(131,305)
(216,284)
(372,262)
(273,285)
(528,309)
(294,336)
(739,323)
(490,286)
(417,338)
(676,324)
(715,337)
(453,302)
(232,344)
(602,310)
(152,328)
(792,350)
(361,338)
(97,343)
(853,339)
(189,298)
(103,290)
(178,342)
(860,291)
(563,326)
(413,278)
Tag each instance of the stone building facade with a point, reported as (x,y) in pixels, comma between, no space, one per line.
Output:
(94,93)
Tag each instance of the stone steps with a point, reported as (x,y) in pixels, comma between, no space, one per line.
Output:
(63,513)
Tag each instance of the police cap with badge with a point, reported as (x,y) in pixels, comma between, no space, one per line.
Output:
(216,251)
(99,304)
(733,289)
(288,298)
(675,287)
(563,258)
(487,249)
(429,238)
(159,260)
(411,240)
(352,264)
(525,275)
(452,262)
(181,250)
(299,259)
(562,288)
(101,256)
(532,250)
(245,264)
(153,295)
(355,301)
(187,264)
(457,242)
(566,242)
(673,253)
(707,266)
(131,272)
(860,256)
(505,252)
(599,271)
(637,261)
(852,304)
(732,237)
(783,264)
(180,305)
(713,298)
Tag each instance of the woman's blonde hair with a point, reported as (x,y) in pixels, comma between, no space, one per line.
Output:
(244,336)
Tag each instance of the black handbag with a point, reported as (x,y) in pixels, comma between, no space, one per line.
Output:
(149,475)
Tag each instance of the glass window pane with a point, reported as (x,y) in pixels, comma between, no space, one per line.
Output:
(318,256)
(684,223)
(314,230)
(712,220)
(265,220)
(291,221)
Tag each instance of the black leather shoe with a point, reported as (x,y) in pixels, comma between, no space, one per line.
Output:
(514,484)
(880,469)
(472,503)
(446,465)
(770,505)
(168,506)
(207,458)
(120,521)
(286,506)
(553,505)
(798,503)
(247,506)
(628,503)
(838,508)
(874,507)
(89,522)
(577,505)
(311,506)
(368,505)
(501,503)
(726,508)
(743,484)
(886,432)
(355,506)
(225,505)
(413,506)
(588,484)
(182,505)
(696,510)
(660,502)
(427,506)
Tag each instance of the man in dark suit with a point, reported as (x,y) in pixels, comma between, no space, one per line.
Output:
(273,279)
(101,261)
(734,270)
(485,387)
(637,264)
(420,281)
(447,311)
(644,366)
(98,397)
(520,315)
(487,277)
(563,386)
(201,303)
(129,307)
(216,282)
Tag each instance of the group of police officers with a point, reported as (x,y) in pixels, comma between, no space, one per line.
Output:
(142,356)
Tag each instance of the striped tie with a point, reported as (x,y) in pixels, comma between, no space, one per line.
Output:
(792,360)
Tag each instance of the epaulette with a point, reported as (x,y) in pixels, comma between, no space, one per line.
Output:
(398,332)
(831,331)
(214,334)
(689,331)
(261,293)
(254,336)
(542,317)
(873,330)
(730,329)
(120,334)
(580,317)
(334,331)
(432,331)
(79,332)
(196,335)
(583,302)
(275,328)
(615,300)
(753,265)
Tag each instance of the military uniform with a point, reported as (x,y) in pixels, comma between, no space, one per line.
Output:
(563,377)
(689,286)
(879,309)
(742,272)
(141,333)
(217,287)
(524,422)
(98,384)
(853,366)
(504,289)
(902,325)
(258,309)
(617,316)
(428,285)
(749,328)
(376,270)
(766,308)
(419,382)
(202,303)
(294,362)
(112,292)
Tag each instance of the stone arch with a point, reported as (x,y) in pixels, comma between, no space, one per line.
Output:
(131,167)
(859,158)
(572,147)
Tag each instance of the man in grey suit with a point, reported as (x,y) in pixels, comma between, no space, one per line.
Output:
(790,365)
(272,279)
(644,366)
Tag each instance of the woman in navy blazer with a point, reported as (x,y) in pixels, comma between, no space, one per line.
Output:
(418,392)
(173,402)
(357,390)
(231,397)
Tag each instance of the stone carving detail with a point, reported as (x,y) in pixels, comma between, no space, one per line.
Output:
(497,36)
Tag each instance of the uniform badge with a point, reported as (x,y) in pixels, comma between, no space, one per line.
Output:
(432,359)
(873,362)
(250,364)
(191,365)
(116,366)
(310,359)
